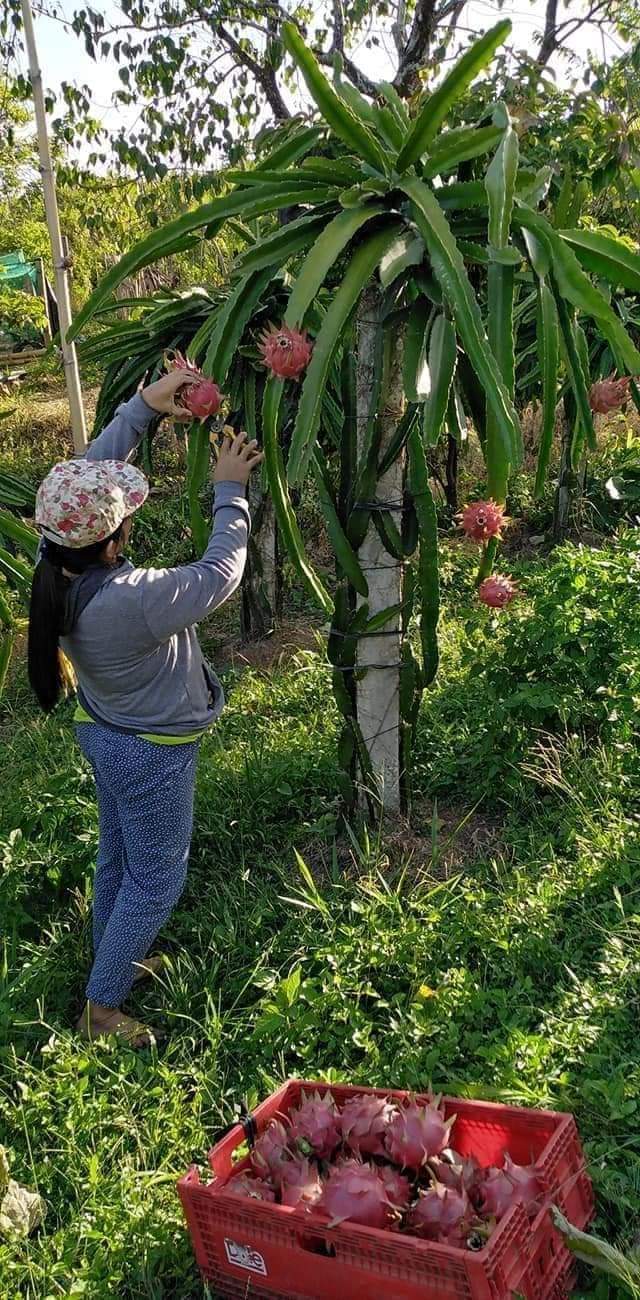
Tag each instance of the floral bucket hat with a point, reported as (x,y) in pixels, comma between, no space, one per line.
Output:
(82,502)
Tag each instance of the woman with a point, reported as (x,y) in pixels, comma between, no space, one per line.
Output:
(146,695)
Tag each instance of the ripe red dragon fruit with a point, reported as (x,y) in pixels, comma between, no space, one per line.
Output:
(364,1122)
(300,1183)
(417,1132)
(245,1184)
(482,520)
(497,591)
(609,394)
(397,1186)
(355,1192)
(500,1189)
(271,1153)
(315,1126)
(495,1194)
(203,399)
(443,1215)
(459,1173)
(525,1178)
(287,352)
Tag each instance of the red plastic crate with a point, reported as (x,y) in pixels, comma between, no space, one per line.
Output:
(260,1251)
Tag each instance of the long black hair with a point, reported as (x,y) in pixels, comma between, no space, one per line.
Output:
(47,611)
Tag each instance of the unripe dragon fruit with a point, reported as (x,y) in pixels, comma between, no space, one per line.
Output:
(271,1153)
(397,1187)
(442,1215)
(355,1192)
(203,399)
(364,1122)
(417,1132)
(497,591)
(315,1126)
(609,394)
(482,520)
(245,1184)
(300,1183)
(287,352)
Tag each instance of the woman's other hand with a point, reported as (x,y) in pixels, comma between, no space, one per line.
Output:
(237,459)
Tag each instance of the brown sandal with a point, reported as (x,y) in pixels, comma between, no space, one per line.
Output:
(149,968)
(131,1032)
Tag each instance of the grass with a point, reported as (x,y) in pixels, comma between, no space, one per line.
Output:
(393,957)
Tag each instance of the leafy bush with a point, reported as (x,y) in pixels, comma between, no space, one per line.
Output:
(22,316)
(573,659)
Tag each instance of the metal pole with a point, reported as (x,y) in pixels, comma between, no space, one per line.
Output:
(71,373)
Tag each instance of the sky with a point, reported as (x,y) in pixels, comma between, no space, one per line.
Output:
(63,58)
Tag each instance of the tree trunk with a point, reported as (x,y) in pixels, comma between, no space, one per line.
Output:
(377,692)
(451,485)
(261,584)
(566,484)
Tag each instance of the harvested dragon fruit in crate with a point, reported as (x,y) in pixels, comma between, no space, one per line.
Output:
(385,1166)
(343,1186)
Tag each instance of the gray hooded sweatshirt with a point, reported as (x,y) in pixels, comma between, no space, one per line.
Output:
(134,647)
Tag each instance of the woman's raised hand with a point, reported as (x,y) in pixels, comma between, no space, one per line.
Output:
(236,460)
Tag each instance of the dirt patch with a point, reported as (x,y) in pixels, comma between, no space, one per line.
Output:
(431,846)
(288,638)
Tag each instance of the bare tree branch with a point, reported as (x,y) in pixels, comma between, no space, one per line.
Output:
(359,79)
(549,41)
(413,56)
(338,27)
(398,30)
(264,75)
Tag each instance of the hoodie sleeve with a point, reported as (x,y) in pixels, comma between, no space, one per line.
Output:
(175,599)
(123,433)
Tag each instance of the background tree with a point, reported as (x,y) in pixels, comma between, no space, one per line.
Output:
(203,74)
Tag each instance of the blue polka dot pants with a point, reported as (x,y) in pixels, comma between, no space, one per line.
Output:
(145,807)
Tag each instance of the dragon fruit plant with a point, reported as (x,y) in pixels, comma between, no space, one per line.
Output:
(383,195)
(383,1165)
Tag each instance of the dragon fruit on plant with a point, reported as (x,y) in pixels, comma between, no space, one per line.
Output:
(203,399)
(248,1185)
(300,1183)
(271,1153)
(364,1122)
(443,1215)
(315,1126)
(497,591)
(287,352)
(609,394)
(355,1192)
(482,520)
(417,1132)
